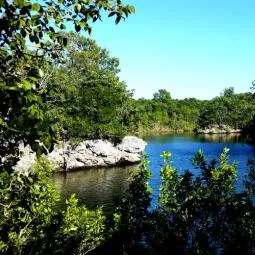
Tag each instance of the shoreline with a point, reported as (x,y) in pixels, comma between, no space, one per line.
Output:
(181,131)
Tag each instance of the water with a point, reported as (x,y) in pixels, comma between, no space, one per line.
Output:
(184,146)
(95,187)
(103,187)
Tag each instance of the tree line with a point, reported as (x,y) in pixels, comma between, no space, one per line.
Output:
(88,99)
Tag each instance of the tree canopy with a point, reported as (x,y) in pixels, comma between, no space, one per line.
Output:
(30,30)
(87,95)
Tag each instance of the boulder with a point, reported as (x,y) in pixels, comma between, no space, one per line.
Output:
(132,144)
(89,153)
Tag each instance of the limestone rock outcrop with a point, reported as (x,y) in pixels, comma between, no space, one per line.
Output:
(88,154)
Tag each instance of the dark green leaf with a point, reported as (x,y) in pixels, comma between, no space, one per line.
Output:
(65,41)
(112,14)
(62,26)
(77,28)
(117,19)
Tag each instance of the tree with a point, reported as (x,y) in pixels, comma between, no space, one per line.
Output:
(31,30)
(203,214)
(228,92)
(162,95)
(87,95)
(253,86)
(42,22)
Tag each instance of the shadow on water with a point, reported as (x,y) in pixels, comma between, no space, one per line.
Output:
(95,187)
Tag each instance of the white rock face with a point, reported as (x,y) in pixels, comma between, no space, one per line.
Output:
(90,153)
(218,129)
(28,158)
(132,144)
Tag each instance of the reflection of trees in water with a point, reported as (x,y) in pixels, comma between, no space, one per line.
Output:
(230,138)
(95,187)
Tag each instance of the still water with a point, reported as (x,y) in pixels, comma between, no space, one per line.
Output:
(103,187)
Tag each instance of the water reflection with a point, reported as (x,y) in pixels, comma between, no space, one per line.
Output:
(95,187)
(101,187)
(221,138)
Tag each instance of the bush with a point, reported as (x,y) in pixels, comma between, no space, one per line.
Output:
(30,222)
(203,214)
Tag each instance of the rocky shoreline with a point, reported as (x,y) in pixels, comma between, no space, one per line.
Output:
(218,129)
(88,154)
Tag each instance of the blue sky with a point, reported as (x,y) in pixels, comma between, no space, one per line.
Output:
(192,48)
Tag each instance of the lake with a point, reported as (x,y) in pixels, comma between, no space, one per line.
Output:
(105,186)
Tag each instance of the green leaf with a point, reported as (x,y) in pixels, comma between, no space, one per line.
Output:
(36,7)
(78,7)
(132,9)
(2,122)
(19,179)
(19,3)
(112,14)
(1,3)
(41,73)
(27,85)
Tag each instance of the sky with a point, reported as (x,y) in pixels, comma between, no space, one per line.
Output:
(192,48)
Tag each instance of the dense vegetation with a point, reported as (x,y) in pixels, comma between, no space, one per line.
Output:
(32,38)
(200,214)
(88,99)
(165,114)
(54,83)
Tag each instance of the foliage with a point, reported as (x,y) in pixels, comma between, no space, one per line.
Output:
(82,230)
(131,218)
(87,97)
(31,37)
(202,214)
(228,92)
(250,128)
(196,214)
(162,95)
(164,114)
(41,23)
(30,30)
(31,223)
(27,202)
(228,110)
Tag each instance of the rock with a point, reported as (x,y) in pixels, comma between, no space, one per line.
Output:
(130,158)
(132,144)
(27,158)
(101,148)
(90,153)
(218,129)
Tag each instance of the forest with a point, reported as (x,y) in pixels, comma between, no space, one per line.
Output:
(56,83)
